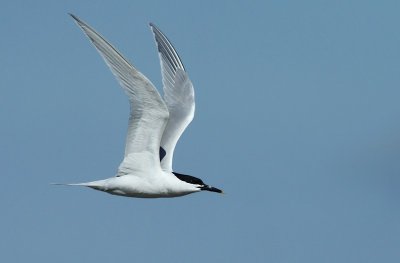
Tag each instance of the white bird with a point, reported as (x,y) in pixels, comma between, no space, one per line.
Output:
(155,125)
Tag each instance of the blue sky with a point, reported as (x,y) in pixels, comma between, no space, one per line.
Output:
(297,119)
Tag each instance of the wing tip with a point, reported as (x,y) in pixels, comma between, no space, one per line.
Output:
(163,42)
(154,28)
(78,21)
(74,17)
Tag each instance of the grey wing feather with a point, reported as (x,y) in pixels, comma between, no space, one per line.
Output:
(148,114)
(178,95)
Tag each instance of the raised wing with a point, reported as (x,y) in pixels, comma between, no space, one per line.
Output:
(178,95)
(148,114)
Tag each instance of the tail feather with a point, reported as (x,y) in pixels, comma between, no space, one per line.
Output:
(77,184)
(98,185)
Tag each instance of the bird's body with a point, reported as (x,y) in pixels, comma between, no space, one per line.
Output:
(155,125)
(142,185)
(139,177)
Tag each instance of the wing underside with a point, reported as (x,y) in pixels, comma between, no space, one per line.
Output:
(178,96)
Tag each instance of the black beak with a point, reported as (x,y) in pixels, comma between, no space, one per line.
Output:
(211,189)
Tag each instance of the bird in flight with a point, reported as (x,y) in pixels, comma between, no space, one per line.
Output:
(155,124)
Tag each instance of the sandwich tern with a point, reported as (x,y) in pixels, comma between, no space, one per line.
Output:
(155,124)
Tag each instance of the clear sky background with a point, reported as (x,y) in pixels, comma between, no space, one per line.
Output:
(297,119)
